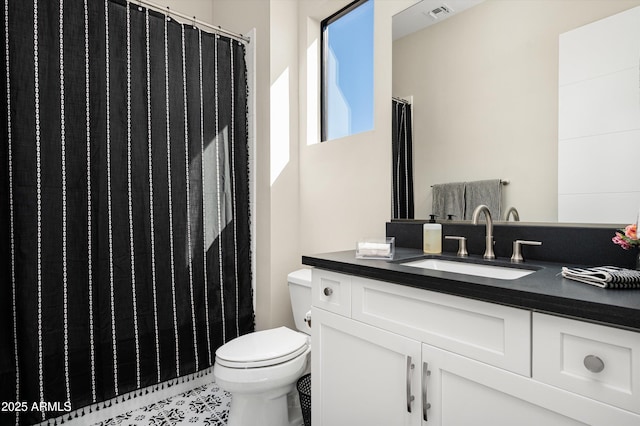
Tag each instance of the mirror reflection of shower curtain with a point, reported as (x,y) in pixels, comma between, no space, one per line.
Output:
(124,205)
(402,203)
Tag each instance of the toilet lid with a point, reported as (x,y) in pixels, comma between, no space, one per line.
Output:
(262,348)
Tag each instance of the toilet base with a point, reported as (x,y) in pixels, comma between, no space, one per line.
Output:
(279,407)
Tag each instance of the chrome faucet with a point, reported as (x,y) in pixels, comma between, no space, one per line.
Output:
(512,210)
(488,252)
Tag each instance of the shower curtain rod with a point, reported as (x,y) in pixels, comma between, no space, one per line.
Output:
(167,11)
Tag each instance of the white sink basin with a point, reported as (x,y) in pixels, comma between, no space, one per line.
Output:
(489,271)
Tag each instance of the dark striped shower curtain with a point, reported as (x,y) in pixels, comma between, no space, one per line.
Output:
(402,157)
(124,204)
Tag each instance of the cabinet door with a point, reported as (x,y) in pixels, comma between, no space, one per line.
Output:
(462,391)
(362,375)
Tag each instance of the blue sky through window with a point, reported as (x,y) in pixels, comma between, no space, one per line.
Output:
(348,81)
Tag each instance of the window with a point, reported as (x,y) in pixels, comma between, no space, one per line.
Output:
(347,71)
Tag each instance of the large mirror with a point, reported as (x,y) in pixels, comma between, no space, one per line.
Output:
(483,84)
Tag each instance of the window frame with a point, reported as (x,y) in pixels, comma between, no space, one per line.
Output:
(323,61)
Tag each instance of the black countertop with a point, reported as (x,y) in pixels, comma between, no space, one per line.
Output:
(543,291)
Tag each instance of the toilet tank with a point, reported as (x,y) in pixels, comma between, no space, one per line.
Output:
(300,293)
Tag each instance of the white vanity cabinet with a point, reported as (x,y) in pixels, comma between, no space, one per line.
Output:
(386,354)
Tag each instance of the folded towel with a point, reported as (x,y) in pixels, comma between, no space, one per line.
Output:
(374,249)
(448,199)
(604,276)
(487,192)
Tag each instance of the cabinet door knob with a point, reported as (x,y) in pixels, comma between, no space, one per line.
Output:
(593,363)
(328,291)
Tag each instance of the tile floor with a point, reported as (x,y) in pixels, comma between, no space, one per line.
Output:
(207,405)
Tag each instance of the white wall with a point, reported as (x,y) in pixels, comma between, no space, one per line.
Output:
(485,90)
(345,184)
(284,170)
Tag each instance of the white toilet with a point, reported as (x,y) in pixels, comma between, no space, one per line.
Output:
(260,369)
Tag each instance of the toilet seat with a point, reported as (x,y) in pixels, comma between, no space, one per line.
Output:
(262,348)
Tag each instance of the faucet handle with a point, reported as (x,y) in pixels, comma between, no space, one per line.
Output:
(517,250)
(462,244)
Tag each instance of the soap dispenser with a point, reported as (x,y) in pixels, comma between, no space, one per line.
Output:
(432,236)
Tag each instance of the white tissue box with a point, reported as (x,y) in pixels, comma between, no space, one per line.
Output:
(375,248)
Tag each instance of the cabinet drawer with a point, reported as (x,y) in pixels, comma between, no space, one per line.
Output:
(494,334)
(592,360)
(331,291)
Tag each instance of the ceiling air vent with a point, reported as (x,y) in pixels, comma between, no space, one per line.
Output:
(439,12)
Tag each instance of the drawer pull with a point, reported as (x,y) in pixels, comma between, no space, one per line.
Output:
(593,363)
(328,291)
